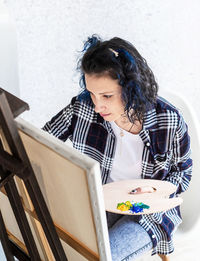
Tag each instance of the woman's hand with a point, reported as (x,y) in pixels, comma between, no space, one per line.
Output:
(145,189)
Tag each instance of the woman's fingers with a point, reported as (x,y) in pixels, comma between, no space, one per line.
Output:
(145,189)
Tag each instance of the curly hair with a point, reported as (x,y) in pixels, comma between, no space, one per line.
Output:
(120,60)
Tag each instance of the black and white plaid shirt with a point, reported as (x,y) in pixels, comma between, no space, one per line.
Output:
(166,154)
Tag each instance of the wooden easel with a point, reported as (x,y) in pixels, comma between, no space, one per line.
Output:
(14,162)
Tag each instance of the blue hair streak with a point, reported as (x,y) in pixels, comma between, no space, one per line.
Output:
(128,56)
(84,94)
(91,41)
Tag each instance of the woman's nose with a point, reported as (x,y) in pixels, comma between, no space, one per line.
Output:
(99,106)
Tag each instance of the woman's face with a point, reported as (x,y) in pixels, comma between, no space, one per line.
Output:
(106,96)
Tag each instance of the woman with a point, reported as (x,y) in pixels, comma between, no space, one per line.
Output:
(119,120)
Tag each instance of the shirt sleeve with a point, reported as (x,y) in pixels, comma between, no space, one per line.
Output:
(60,124)
(181,168)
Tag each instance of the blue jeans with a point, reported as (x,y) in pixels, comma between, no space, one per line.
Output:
(128,240)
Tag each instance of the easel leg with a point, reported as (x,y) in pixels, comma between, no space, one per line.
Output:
(5,241)
(21,219)
(36,225)
(44,217)
(19,213)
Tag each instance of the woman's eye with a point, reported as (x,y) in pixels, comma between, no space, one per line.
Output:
(107,96)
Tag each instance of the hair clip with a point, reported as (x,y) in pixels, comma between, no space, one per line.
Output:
(115,52)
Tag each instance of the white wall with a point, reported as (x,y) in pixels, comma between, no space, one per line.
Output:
(50,32)
(9,78)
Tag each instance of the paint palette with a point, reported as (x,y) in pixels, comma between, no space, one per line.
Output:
(117,192)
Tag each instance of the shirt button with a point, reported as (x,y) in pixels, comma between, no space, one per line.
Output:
(153,236)
(148,144)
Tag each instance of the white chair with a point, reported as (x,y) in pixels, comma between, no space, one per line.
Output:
(192,195)
(187,236)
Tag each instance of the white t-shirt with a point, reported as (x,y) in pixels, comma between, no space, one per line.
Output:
(127,163)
